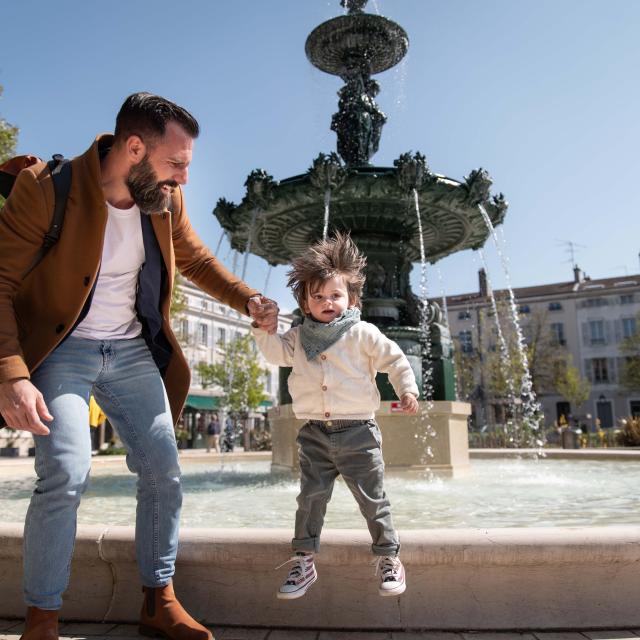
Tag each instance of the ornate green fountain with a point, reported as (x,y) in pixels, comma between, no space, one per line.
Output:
(379,206)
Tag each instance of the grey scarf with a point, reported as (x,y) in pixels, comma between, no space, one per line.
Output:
(316,337)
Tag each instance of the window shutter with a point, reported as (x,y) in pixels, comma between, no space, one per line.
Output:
(611,366)
(588,370)
(608,330)
(586,338)
(618,330)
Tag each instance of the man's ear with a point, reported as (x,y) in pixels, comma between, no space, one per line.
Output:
(135,148)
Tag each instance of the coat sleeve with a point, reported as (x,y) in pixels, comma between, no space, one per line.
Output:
(278,348)
(196,263)
(387,357)
(24,220)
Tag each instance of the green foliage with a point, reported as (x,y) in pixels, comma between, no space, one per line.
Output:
(8,141)
(630,349)
(178,299)
(630,434)
(571,385)
(238,374)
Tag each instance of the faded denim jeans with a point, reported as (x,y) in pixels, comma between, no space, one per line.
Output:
(127,385)
(351,449)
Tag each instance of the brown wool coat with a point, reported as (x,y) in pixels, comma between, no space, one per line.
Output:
(37,311)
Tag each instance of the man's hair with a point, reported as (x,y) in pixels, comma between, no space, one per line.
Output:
(337,256)
(146,115)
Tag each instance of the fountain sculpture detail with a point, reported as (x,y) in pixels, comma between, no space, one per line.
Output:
(379,207)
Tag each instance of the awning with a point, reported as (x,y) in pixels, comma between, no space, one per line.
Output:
(205,403)
(266,403)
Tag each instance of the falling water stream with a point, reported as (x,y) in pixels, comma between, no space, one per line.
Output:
(247,250)
(504,349)
(327,203)
(445,311)
(425,330)
(531,435)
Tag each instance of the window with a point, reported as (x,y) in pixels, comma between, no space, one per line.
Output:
(222,336)
(221,309)
(557,333)
(595,302)
(555,306)
(596,332)
(464,315)
(600,370)
(203,334)
(524,308)
(184,328)
(204,305)
(628,327)
(626,299)
(634,408)
(466,341)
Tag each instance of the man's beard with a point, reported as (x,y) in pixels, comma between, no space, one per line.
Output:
(145,189)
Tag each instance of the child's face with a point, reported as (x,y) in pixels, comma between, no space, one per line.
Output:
(329,300)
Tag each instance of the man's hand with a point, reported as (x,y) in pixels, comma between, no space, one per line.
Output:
(409,403)
(264,313)
(23,406)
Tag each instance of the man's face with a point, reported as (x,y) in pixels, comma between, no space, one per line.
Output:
(163,167)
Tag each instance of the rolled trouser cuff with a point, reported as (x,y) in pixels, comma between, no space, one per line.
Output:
(306,544)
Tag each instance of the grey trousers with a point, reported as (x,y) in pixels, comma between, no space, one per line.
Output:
(353,450)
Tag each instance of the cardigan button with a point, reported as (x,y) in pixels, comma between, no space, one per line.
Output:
(326,414)
(60,328)
(323,357)
(324,387)
(87,280)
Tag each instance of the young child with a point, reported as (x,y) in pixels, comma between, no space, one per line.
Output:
(335,357)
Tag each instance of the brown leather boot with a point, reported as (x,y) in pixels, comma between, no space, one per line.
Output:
(40,624)
(162,616)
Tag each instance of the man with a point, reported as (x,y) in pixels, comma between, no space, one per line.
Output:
(93,317)
(213,434)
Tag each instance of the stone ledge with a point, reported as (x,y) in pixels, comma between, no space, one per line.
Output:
(536,578)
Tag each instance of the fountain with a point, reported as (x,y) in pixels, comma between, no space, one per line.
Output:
(553,566)
(396,215)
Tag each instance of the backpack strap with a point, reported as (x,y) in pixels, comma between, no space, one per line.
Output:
(60,169)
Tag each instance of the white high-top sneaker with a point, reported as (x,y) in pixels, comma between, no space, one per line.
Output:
(301,576)
(392,582)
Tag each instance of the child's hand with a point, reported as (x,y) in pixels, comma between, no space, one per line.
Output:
(409,403)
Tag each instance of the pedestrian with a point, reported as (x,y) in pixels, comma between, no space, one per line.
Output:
(334,357)
(229,434)
(213,434)
(93,317)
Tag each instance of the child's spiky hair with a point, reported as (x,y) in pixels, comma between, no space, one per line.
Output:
(336,256)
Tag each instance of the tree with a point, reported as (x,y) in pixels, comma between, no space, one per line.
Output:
(571,385)
(8,141)
(630,349)
(239,375)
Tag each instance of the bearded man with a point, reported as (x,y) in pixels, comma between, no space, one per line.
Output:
(93,317)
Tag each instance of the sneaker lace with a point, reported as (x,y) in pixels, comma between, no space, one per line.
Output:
(296,571)
(387,566)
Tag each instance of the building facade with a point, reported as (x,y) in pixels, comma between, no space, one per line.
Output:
(203,326)
(587,319)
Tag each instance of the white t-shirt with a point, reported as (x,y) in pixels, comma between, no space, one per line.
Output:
(112,314)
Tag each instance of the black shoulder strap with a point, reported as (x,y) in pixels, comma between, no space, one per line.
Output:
(60,169)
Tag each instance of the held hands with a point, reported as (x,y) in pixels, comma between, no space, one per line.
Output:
(409,403)
(264,313)
(23,407)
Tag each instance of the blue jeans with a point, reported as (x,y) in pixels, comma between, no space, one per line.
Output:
(127,385)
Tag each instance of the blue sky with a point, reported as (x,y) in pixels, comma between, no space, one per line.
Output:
(544,94)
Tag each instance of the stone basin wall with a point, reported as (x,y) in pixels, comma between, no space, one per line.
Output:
(536,578)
